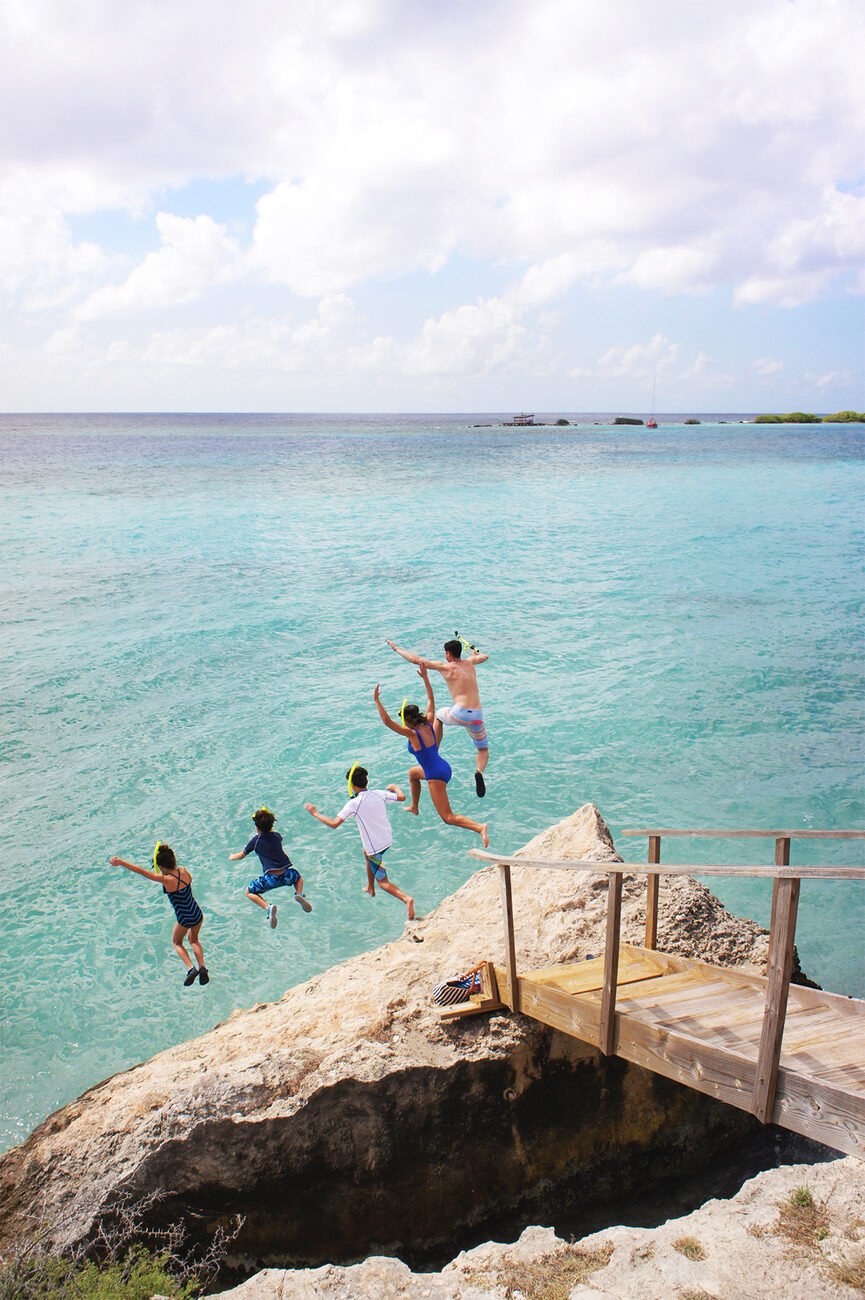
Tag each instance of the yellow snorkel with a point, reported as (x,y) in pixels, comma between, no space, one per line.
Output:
(156,866)
(402,711)
(263,808)
(468,645)
(351,773)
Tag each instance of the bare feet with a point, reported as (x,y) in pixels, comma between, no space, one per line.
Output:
(410,906)
(366,890)
(411,810)
(485,839)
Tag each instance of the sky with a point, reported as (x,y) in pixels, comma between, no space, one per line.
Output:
(432,205)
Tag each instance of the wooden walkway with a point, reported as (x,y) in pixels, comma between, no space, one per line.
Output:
(790,1055)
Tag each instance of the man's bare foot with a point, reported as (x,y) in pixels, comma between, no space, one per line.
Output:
(485,839)
(367,890)
(410,906)
(411,810)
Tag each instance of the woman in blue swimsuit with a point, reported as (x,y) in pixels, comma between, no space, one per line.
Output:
(424,734)
(176,882)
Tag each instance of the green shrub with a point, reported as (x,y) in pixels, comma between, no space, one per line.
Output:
(845,417)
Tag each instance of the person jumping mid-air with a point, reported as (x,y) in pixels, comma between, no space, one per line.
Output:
(424,732)
(277,869)
(368,808)
(466,711)
(176,882)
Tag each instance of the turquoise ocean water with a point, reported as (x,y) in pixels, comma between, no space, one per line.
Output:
(194,613)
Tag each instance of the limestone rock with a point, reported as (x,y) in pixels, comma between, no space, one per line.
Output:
(326,1116)
(766,1241)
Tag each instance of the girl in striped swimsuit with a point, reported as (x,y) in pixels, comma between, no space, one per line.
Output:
(176,882)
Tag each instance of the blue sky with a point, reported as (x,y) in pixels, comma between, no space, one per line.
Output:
(406,205)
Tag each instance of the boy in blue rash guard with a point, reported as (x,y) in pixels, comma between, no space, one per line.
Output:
(277,869)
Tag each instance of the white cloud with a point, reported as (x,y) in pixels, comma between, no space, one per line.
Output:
(475,339)
(195,254)
(831,379)
(552,145)
(639,361)
(765,366)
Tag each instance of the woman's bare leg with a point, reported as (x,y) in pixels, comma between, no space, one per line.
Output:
(415,776)
(438,792)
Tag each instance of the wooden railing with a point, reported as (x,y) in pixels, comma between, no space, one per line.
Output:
(782,933)
(782,928)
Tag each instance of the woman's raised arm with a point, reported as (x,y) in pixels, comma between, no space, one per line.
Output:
(385,716)
(430,698)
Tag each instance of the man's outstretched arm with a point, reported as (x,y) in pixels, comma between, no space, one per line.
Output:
(477,658)
(405,654)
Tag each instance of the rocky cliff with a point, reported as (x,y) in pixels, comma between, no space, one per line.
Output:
(345,1119)
(794,1232)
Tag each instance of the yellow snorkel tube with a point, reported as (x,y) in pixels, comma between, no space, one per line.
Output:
(262,808)
(468,645)
(351,773)
(402,711)
(156,866)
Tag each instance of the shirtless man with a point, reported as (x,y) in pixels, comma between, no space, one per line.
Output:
(466,711)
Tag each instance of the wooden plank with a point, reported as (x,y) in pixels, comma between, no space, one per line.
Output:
(552,1007)
(611,964)
(782,933)
(652,882)
(821,1111)
(676,869)
(817,1110)
(750,834)
(585,976)
(510,940)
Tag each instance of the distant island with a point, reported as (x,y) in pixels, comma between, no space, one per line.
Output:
(801,417)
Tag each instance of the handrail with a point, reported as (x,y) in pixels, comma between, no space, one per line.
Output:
(760,871)
(753,835)
(786,883)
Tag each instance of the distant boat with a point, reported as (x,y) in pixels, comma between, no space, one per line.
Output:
(652,423)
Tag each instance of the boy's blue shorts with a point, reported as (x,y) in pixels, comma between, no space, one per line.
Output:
(376,864)
(268,881)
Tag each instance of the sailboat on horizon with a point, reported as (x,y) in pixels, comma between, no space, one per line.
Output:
(652,423)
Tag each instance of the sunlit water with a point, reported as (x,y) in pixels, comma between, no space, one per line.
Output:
(194,613)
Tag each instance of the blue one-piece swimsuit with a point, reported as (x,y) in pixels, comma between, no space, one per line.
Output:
(435,768)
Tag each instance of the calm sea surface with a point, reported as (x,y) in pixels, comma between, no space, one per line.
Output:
(194,611)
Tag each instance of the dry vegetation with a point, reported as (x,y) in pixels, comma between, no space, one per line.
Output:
(552,1277)
(690,1247)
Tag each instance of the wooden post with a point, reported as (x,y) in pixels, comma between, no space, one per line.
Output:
(510,942)
(611,964)
(652,883)
(782,933)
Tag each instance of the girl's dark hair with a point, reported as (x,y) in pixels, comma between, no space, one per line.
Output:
(165,859)
(263,819)
(413,716)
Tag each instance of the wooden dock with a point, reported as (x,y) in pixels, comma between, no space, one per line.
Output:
(790,1055)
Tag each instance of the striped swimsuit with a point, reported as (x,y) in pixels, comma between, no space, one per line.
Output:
(186,909)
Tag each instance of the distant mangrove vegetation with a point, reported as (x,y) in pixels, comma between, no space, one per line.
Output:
(802,417)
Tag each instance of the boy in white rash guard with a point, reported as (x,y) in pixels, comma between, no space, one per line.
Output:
(369,810)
